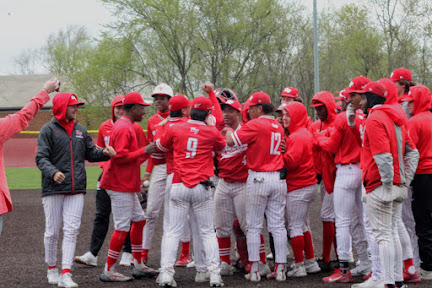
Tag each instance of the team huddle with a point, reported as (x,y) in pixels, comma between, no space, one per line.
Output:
(221,169)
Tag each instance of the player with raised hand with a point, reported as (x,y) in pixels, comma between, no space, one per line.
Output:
(324,104)
(301,186)
(193,143)
(266,191)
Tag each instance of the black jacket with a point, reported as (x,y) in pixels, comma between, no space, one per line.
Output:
(55,149)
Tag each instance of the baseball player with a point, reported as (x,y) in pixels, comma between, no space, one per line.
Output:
(13,124)
(403,79)
(301,186)
(121,180)
(266,192)
(385,175)
(103,201)
(192,143)
(324,104)
(345,143)
(62,147)
(420,130)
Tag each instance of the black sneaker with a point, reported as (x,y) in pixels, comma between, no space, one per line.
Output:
(325,267)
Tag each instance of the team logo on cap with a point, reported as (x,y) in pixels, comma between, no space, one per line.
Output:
(391,75)
(351,84)
(197,105)
(74,98)
(230,101)
(287,90)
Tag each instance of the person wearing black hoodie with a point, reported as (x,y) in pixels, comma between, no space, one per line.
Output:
(63,146)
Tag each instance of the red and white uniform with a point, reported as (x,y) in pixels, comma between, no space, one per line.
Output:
(156,193)
(193,143)
(266,193)
(301,181)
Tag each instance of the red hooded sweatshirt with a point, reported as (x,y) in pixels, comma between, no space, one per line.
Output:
(324,161)
(420,127)
(60,104)
(298,158)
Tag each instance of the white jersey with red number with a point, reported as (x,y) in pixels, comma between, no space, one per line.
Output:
(193,143)
(232,163)
(263,136)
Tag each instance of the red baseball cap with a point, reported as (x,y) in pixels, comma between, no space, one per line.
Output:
(202,103)
(258,98)
(290,92)
(341,95)
(73,100)
(134,98)
(179,102)
(357,84)
(234,104)
(401,74)
(316,103)
(117,101)
(375,87)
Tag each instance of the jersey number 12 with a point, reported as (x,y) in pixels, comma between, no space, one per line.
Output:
(275,143)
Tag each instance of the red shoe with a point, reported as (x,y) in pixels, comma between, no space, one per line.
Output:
(411,278)
(183,261)
(366,277)
(338,277)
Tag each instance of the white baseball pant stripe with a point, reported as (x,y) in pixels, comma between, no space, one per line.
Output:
(126,208)
(200,201)
(266,194)
(383,217)
(230,201)
(155,198)
(67,209)
(408,220)
(327,206)
(348,206)
(297,208)
(373,245)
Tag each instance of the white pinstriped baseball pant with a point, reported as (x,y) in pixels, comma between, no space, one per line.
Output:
(200,201)
(60,208)
(297,209)
(266,194)
(126,208)
(230,201)
(327,206)
(373,245)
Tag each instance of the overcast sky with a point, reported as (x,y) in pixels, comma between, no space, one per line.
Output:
(26,24)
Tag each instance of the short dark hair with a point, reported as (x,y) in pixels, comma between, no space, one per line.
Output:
(128,107)
(268,108)
(374,99)
(198,115)
(407,84)
(176,114)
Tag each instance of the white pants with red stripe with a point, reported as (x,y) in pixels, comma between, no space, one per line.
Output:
(372,244)
(155,198)
(230,202)
(67,209)
(384,217)
(183,200)
(297,208)
(266,194)
(126,208)
(348,210)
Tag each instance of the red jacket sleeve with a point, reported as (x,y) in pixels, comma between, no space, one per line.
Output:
(217,111)
(121,146)
(381,143)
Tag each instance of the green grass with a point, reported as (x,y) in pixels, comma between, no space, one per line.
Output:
(30,178)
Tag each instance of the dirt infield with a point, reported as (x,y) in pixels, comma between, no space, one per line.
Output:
(22,253)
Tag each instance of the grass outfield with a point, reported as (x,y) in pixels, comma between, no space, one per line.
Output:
(30,178)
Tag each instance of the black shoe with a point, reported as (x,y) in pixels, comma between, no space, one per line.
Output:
(325,267)
(334,264)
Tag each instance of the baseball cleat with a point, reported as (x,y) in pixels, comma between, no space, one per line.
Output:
(369,283)
(201,277)
(278,274)
(411,278)
(191,264)
(183,261)
(126,259)
(338,277)
(264,269)
(226,269)
(324,266)
(362,269)
(166,280)
(216,280)
(53,276)
(311,266)
(366,277)
(112,276)
(298,270)
(143,271)
(65,280)
(425,275)
(87,259)
(270,256)
(253,276)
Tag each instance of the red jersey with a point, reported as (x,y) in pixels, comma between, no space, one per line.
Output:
(263,136)
(232,163)
(420,130)
(344,141)
(298,158)
(193,143)
(158,157)
(122,172)
(380,137)
(160,131)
